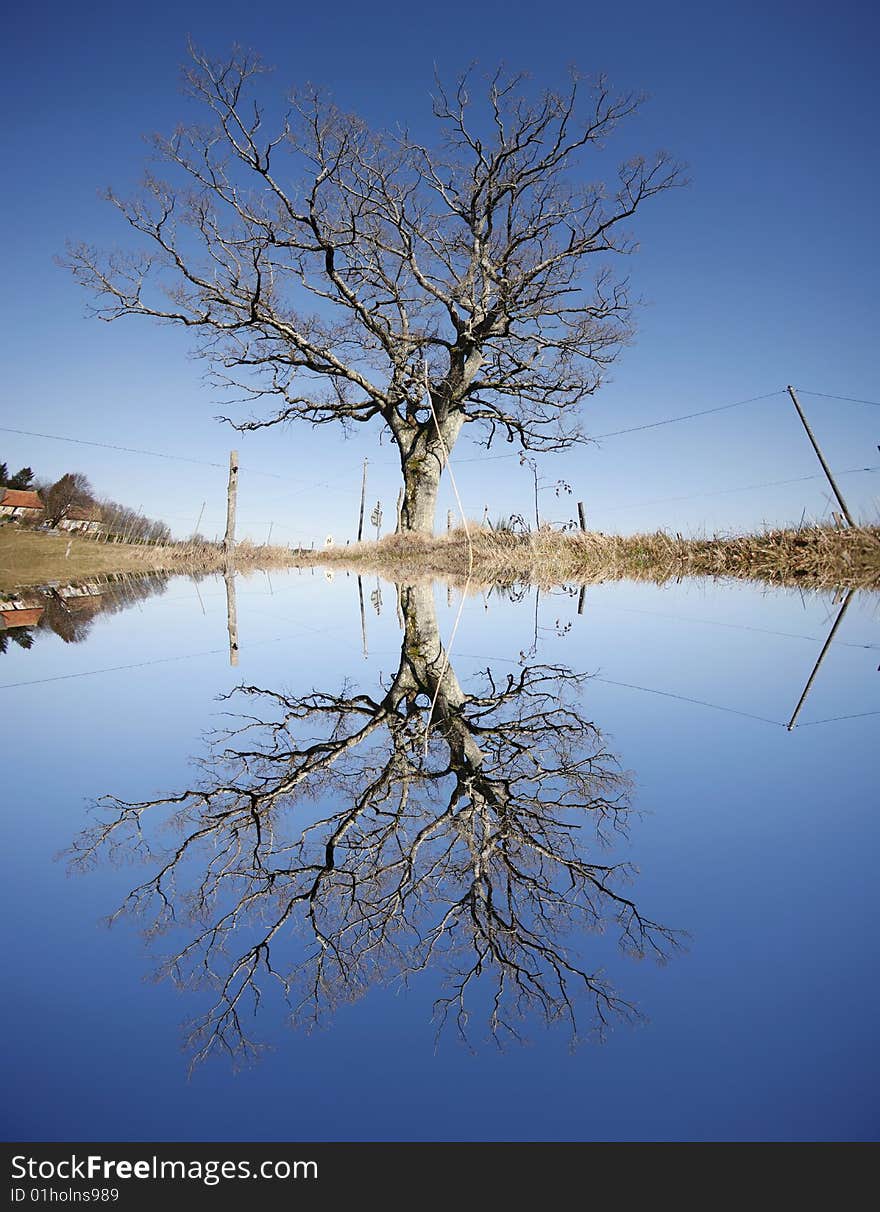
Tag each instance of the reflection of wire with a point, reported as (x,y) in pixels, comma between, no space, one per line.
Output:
(88,673)
(668,694)
(685,618)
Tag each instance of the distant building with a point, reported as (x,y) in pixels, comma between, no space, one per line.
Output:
(20,503)
(84,519)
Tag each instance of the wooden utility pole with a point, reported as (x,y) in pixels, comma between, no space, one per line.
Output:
(820,658)
(363,497)
(821,457)
(582,517)
(231,496)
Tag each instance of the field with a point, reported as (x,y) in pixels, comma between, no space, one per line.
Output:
(820,557)
(28,557)
(816,557)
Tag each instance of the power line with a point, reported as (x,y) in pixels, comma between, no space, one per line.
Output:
(849,399)
(688,416)
(724,491)
(651,425)
(158,454)
(859,715)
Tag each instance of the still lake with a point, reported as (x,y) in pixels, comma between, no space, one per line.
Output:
(379,930)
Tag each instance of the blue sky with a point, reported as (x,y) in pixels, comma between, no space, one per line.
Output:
(762,273)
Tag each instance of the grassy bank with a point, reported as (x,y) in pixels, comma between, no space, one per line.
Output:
(29,557)
(817,557)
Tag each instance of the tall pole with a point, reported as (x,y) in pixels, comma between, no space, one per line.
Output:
(820,658)
(363,496)
(821,457)
(231,495)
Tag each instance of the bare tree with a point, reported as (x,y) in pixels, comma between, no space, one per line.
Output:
(330,272)
(336,819)
(72,491)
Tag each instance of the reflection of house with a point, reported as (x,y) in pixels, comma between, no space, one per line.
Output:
(20,618)
(82,518)
(20,503)
(86,598)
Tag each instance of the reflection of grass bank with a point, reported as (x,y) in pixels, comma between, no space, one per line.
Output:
(28,557)
(812,556)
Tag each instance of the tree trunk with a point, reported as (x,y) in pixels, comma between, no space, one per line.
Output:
(422,462)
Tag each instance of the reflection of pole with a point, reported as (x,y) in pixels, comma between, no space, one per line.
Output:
(363,495)
(825,467)
(819,659)
(231,494)
(581,597)
(363,616)
(231,620)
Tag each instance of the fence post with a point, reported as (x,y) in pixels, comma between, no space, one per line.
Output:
(582,517)
(231,498)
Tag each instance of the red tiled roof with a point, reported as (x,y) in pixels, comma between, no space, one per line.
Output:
(20,498)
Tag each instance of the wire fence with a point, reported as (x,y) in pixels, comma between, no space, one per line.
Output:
(301,486)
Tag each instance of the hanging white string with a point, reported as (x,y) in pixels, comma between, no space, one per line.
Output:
(470,566)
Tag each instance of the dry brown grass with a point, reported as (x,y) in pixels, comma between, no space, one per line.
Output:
(817,557)
(28,557)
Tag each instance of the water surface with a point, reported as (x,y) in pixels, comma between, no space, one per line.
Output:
(385,936)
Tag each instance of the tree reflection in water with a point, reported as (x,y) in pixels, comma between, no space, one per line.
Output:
(328,816)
